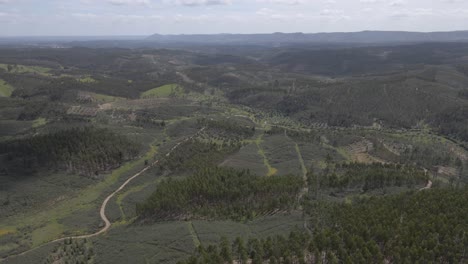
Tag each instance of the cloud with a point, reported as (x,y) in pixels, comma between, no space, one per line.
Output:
(5,1)
(283,2)
(397,3)
(418,12)
(129,2)
(331,12)
(202,2)
(370,1)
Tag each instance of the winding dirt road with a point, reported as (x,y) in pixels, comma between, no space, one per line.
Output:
(102,211)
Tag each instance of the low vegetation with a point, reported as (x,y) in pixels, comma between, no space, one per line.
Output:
(167,90)
(5,89)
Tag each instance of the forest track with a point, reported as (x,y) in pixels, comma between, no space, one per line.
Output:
(428,186)
(102,211)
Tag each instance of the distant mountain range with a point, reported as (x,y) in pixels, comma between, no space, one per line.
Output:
(338,37)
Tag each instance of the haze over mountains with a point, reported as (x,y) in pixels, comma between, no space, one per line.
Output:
(278,38)
(336,37)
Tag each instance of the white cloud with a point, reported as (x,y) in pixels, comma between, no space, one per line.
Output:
(201,2)
(129,2)
(331,12)
(370,1)
(413,13)
(283,2)
(397,3)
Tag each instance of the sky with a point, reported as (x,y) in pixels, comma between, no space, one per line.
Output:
(146,17)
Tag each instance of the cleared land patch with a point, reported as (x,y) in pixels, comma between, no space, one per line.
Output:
(281,153)
(5,89)
(164,91)
(248,158)
(26,69)
(87,79)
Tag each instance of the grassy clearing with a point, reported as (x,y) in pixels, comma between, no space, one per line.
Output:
(5,89)
(164,91)
(43,234)
(271,171)
(39,122)
(26,69)
(7,230)
(87,79)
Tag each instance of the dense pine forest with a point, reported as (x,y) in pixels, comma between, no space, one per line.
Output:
(86,151)
(221,193)
(366,177)
(195,154)
(414,227)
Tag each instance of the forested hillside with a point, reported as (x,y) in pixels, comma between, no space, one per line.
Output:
(86,151)
(220,193)
(349,176)
(416,227)
(247,154)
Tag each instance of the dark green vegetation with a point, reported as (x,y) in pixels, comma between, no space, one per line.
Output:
(421,227)
(72,251)
(248,143)
(363,177)
(86,151)
(217,193)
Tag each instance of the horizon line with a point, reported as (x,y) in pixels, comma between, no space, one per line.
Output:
(224,33)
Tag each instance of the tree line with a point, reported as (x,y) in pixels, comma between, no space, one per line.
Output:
(87,151)
(366,177)
(415,227)
(221,193)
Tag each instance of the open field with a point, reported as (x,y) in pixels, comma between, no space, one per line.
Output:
(5,89)
(247,158)
(87,79)
(26,69)
(164,91)
(169,242)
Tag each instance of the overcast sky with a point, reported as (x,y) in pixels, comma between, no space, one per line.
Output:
(144,17)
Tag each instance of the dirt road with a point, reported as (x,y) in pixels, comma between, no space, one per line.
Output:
(107,223)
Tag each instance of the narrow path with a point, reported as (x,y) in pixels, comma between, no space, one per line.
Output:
(305,188)
(271,171)
(102,211)
(428,186)
(194,234)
